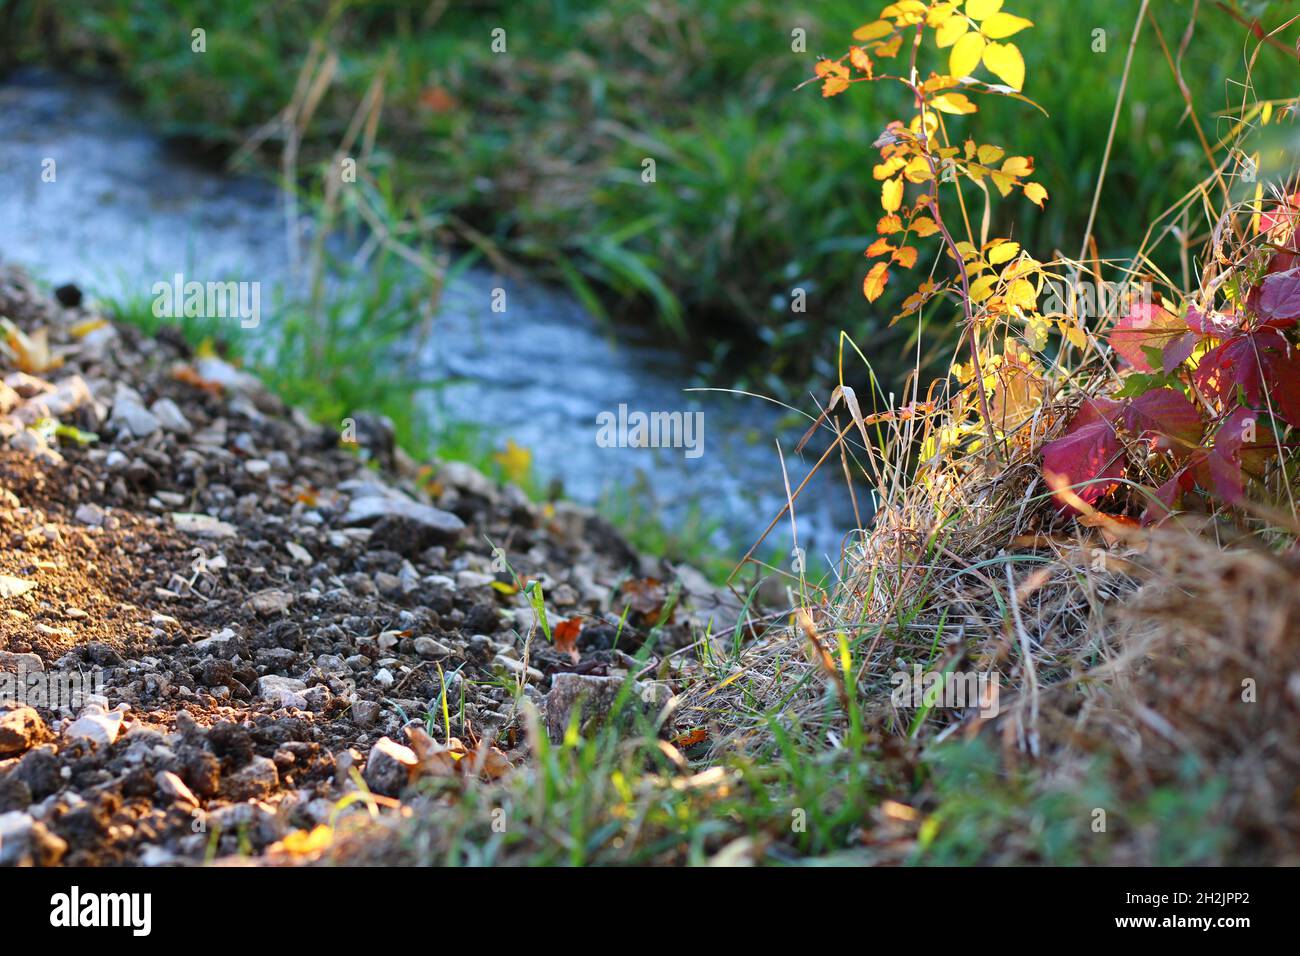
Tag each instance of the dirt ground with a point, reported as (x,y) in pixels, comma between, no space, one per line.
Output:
(246,612)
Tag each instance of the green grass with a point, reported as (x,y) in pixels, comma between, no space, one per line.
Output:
(618,797)
(760,189)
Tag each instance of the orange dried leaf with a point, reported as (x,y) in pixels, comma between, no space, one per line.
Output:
(874,284)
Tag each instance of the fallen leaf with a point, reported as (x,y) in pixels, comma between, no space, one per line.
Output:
(566,637)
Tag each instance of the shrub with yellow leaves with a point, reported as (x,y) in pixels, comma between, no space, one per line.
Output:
(997,283)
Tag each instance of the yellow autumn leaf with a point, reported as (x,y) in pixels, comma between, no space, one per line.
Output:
(905,12)
(940,13)
(515,461)
(879,248)
(887,48)
(834,85)
(304,844)
(924,226)
(957,103)
(951,31)
(980,9)
(1005,62)
(82,329)
(1002,25)
(891,194)
(1018,166)
(918,170)
(1003,252)
(1017,393)
(858,57)
(905,256)
(1036,333)
(873,31)
(886,169)
(982,288)
(874,284)
(1022,294)
(30,353)
(988,155)
(1024,266)
(1035,194)
(966,54)
(1073,333)
(1002,181)
(889,224)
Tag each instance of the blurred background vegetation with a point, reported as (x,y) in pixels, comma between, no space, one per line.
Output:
(535,155)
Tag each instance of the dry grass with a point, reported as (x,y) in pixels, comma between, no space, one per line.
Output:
(1162,658)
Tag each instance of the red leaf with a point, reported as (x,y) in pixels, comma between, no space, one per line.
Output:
(1089,456)
(1282,213)
(1221,476)
(1259,364)
(1246,438)
(1178,351)
(1165,417)
(1284,261)
(1218,324)
(1167,496)
(1279,298)
(1147,326)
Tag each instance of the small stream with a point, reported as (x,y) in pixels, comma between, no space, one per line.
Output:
(125,210)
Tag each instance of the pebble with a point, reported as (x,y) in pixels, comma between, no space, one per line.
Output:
(389,766)
(203,526)
(431,649)
(170,417)
(174,787)
(269,602)
(372,508)
(20,730)
(282,691)
(298,552)
(90,514)
(26,842)
(101,727)
(517,667)
(257,778)
(130,416)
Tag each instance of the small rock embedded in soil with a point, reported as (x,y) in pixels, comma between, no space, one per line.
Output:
(20,730)
(26,842)
(441,526)
(257,778)
(389,767)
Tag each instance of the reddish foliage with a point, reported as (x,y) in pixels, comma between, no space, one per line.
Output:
(1213,430)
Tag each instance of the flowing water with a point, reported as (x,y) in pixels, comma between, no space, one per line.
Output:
(124,211)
